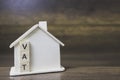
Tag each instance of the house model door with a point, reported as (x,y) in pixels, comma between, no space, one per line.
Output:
(24,56)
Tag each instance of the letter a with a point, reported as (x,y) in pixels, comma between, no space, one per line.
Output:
(24,56)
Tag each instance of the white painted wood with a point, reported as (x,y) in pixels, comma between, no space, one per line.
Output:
(43,25)
(23,36)
(30,32)
(44,53)
(14,73)
(17,58)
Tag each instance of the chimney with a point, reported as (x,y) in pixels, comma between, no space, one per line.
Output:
(43,25)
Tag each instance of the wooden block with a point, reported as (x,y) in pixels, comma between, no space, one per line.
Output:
(24,46)
(25,67)
(24,56)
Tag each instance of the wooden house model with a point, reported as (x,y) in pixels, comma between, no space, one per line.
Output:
(36,51)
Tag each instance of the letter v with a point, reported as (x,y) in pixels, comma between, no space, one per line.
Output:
(24,46)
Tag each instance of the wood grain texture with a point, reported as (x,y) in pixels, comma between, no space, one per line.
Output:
(75,73)
(78,67)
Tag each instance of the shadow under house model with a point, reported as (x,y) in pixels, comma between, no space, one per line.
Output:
(36,51)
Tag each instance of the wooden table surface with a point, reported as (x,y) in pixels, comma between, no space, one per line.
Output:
(79,66)
(76,73)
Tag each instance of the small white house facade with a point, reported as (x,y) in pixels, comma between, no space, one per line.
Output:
(36,51)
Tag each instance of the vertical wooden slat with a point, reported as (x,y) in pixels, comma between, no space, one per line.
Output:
(24,57)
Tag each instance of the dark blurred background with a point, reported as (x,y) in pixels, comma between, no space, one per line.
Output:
(90,29)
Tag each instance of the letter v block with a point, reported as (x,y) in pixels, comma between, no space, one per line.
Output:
(24,57)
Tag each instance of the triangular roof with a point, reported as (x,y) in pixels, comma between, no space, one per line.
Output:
(31,30)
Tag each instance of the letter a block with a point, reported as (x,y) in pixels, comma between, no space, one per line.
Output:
(24,57)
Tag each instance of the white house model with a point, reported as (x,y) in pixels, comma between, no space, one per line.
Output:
(36,51)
